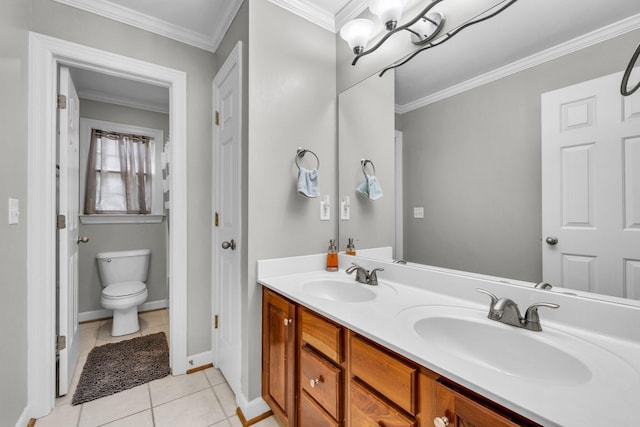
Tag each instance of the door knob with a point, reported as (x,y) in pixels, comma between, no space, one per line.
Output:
(552,240)
(83,239)
(231,244)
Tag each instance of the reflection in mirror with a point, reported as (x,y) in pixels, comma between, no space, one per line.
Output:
(472,161)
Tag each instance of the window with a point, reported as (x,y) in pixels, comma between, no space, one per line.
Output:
(119,183)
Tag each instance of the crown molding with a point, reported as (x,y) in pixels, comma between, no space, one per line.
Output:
(573,45)
(158,26)
(308,10)
(125,102)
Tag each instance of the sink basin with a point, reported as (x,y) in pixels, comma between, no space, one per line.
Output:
(463,338)
(503,348)
(338,290)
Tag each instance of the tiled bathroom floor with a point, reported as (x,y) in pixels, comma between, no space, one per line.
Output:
(199,399)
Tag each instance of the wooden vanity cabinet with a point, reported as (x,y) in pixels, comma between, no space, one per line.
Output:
(279,356)
(316,373)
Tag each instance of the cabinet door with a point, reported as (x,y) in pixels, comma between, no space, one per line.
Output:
(278,356)
(368,410)
(462,411)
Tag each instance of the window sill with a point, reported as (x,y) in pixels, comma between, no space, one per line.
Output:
(121,219)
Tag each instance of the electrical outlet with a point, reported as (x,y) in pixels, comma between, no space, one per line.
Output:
(325,208)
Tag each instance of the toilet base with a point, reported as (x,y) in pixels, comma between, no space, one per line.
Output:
(125,321)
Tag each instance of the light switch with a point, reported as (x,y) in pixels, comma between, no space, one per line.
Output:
(14,211)
(418,212)
(325,208)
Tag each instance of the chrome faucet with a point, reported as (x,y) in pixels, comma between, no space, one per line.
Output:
(363,275)
(504,310)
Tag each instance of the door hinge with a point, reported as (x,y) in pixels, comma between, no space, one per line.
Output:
(61,343)
(62,102)
(215,322)
(61,222)
(217,118)
(217,220)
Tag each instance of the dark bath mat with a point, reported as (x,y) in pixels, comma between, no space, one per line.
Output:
(116,367)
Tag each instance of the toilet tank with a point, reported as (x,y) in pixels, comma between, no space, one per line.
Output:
(123,266)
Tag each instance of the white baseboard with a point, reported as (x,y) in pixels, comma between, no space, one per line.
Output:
(24,418)
(200,359)
(88,316)
(251,409)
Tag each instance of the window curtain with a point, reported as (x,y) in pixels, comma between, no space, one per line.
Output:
(118,174)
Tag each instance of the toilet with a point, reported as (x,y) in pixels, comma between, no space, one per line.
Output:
(122,275)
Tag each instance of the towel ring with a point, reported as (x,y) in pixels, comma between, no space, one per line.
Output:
(363,163)
(624,85)
(300,154)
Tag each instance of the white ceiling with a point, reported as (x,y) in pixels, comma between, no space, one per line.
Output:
(525,29)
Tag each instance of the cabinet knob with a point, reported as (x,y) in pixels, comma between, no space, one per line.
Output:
(313,382)
(441,422)
(287,322)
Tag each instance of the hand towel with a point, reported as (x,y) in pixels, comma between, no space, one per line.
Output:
(370,188)
(308,182)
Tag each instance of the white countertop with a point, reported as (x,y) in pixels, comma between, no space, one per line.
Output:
(610,346)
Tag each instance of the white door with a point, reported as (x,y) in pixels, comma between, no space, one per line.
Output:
(591,188)
(227,210)
(68,201)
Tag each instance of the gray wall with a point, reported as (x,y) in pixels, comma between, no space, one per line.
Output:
(68,23)
(473,162)
(366,130)
(14,22)
(292,103)
(115,237)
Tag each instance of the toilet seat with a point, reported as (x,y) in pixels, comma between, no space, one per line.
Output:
(123,290)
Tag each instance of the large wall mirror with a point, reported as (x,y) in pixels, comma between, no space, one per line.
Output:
(471,162)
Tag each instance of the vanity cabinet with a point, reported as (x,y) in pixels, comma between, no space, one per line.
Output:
(317,373)
(279,356)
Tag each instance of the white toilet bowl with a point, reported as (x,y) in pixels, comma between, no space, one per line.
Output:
(122,275)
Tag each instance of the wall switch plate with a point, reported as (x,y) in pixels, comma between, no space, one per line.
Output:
(418,212)
(14,211)
(325,208)
(345,209)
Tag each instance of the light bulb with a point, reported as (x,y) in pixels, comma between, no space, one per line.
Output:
(387,11)
(357,33)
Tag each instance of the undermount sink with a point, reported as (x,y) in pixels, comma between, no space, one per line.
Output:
(338,290)
(550,356)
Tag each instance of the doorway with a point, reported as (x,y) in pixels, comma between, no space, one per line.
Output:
(46,55)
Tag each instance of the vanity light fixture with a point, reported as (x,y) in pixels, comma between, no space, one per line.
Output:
(424,28)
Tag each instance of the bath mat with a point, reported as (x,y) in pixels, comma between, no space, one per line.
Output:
(116,367)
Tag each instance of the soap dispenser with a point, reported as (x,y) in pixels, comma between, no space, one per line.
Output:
(332,256)
(351,248)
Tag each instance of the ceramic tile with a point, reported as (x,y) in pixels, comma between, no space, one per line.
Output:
(141,419)
(214,376)
(153,319)
(116,406)
(171,388)
(223,423)
(235,421)
(63,415)
(226,397)
(200,409)
(267,422)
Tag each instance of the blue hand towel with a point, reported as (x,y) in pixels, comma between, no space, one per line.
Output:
(308,182)
(370,188)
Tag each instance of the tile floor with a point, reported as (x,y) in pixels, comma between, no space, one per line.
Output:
(199,399)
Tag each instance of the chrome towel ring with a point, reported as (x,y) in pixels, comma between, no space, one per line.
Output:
(300,154)
(363,163)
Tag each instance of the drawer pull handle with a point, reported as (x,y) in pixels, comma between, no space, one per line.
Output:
(287,322)
(314,381)
(441,422)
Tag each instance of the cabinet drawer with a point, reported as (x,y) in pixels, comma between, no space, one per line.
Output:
(321,334)
(368,410)
(385,373)
(322,380)
(311,414)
